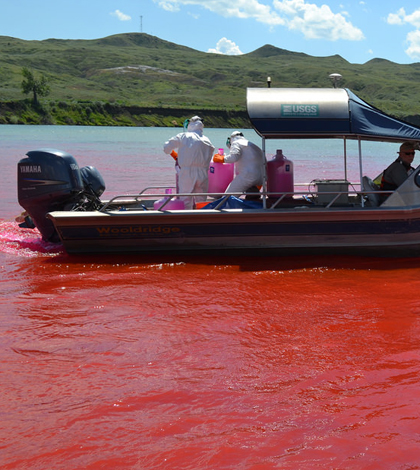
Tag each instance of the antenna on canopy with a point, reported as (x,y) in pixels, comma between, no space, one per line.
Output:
(141,24)
(335,77)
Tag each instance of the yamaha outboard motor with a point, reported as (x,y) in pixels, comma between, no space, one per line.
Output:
(93,184)
(50,180)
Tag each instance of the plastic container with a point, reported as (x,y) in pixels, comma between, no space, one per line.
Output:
(280,175)
(174,204)
(220,176)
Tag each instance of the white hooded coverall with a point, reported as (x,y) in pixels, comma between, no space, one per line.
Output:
(194,155)
(249,164)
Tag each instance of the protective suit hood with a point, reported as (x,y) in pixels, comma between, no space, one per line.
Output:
(233,137)
(195,124)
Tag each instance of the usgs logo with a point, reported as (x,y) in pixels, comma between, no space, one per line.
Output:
(300,110)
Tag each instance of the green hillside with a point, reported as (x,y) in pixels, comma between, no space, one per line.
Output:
(146,73)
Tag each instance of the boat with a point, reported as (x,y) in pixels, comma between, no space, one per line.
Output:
(335,216)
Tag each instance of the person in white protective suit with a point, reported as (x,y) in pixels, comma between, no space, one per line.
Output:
(194,152)
(249,164)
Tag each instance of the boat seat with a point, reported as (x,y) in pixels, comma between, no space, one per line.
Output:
(373,199)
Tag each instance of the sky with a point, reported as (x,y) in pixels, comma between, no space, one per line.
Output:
(357,30)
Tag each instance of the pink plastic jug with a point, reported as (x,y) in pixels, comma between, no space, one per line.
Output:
(280,175)
(220,176)
(174,204)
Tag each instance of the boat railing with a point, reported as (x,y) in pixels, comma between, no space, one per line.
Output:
(270,200)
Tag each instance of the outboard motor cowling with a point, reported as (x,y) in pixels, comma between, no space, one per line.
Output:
(48,180)
(93,180)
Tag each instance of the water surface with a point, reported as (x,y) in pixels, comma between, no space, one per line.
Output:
(182,362)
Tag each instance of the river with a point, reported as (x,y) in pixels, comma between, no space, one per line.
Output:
(163,363)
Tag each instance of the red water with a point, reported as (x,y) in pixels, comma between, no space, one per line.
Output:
(133,362)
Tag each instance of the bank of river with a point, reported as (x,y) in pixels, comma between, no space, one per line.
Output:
(101,113)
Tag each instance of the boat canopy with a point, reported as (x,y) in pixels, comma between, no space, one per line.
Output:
(285,113)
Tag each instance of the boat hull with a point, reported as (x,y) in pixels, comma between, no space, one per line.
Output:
(364,231)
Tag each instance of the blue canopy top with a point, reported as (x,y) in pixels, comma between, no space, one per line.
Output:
(281,113)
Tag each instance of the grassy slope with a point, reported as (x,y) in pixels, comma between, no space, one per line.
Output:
(142,70)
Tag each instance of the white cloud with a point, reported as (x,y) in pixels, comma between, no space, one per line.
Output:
(121,16)
(227,47)
(413,37)
(317,22)
(239,9)
(413,49)
(169,5)
(401,18)
(312,21)
(396,18)
(414,19)
(363,6)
